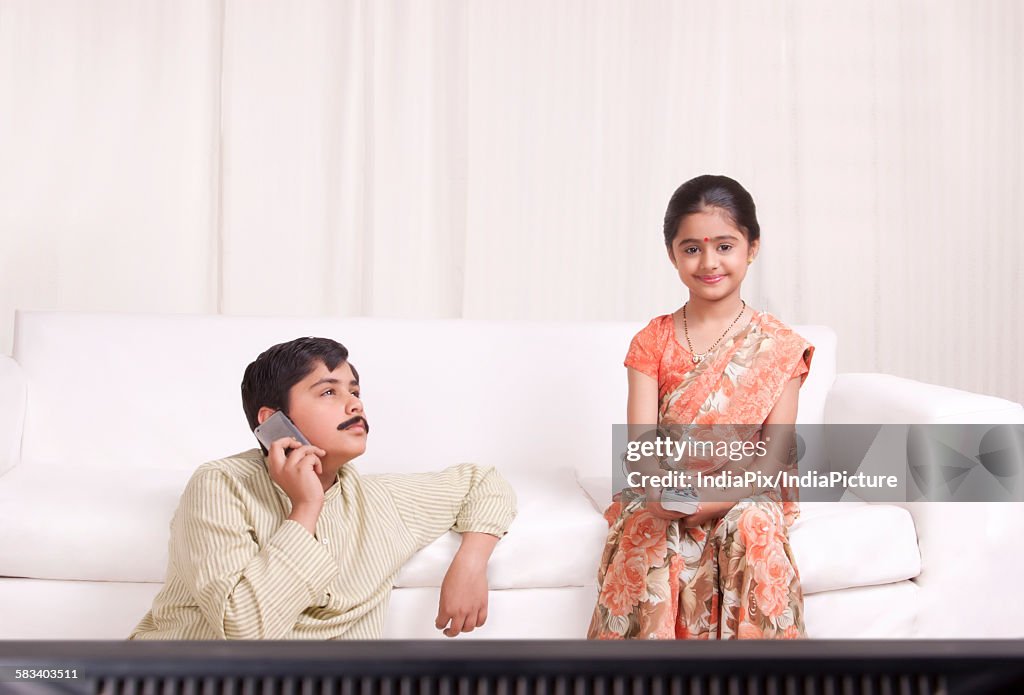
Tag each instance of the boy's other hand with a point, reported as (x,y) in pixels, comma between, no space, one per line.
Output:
(463,598)
(298,472)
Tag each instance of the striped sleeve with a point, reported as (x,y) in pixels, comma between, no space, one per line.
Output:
(244,591)
(462,498)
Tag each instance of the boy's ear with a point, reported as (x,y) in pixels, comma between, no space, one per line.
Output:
(264,413)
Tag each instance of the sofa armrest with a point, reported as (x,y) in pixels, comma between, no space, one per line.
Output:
(967,553)
(13,391)
(886,399)
(966,547)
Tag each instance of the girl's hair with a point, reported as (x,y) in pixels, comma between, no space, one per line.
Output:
(710,191)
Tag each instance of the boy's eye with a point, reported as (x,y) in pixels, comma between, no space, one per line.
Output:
(330,392)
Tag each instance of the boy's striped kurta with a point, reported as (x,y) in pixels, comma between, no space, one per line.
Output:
(239,569)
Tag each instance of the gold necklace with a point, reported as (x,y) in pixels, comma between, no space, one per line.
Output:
(697,359)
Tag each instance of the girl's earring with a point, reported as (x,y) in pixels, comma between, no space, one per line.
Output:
(749,261)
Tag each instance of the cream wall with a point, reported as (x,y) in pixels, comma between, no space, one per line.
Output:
(513,160)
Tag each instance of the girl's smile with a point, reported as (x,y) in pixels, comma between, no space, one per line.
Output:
(710,254)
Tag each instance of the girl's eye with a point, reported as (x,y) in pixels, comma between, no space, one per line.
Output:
(327,392)
(689,249)
(725,246)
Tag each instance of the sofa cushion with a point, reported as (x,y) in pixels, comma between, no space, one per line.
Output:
(888,611)
(89,524)
(114,525)
(555,540)
(840,545)
(62,610)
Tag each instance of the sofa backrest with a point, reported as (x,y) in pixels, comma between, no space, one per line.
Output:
(162,391)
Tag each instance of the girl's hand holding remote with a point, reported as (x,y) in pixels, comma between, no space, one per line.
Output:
(707,511)
(653,505)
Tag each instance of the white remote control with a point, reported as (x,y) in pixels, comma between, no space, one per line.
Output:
(680,499)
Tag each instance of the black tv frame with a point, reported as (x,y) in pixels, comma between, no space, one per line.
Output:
(520,667)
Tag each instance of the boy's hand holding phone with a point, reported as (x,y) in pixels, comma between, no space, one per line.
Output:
(297,472)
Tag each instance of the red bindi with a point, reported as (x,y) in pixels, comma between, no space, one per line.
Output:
(705,238)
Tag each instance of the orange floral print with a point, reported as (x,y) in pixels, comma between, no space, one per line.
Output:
(750,631)
(625,583)
(758,533)
(646,533)
(612,512)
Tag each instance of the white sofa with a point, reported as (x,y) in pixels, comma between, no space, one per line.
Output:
(103,417)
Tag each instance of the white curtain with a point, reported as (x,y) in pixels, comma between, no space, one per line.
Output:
(108,147)
(513,160)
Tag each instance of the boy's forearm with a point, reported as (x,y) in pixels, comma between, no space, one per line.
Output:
(476,548)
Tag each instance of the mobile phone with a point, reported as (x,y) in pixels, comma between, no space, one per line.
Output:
(680,499)
(276,426)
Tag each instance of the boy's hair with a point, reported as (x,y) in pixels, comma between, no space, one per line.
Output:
(709,192)
(270,376)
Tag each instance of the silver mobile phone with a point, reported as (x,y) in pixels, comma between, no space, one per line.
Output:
(276,426)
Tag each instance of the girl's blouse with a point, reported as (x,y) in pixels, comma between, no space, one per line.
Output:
(738,383)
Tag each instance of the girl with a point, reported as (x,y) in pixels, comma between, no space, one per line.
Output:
(726,571)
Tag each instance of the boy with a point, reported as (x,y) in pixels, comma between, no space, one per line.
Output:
(297,544)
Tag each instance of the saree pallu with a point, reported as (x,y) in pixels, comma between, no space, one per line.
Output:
(730,577)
